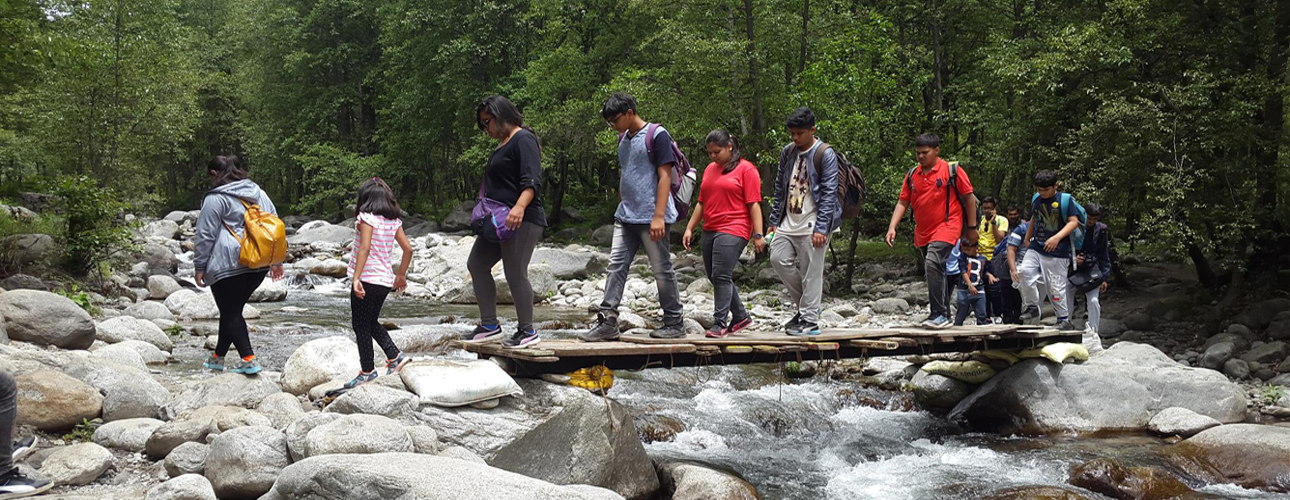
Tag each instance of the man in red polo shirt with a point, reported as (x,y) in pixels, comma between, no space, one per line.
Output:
(938,219)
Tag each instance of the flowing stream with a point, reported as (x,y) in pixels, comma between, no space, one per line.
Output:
(792,439)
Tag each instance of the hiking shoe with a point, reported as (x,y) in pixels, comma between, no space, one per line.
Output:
(717,332)
(362,378)
(668,332)
(739,325)
(797,318)
(522,339)
(23,447)
(606,329)
(245,367)
(482,334)
(1065,326)
(214,363)
(805,329)
(938,322)
(1030,314)
(16,485)
(395,365)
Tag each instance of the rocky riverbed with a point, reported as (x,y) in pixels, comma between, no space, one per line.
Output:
(1177,405)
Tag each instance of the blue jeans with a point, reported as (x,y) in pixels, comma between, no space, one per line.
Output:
(976,302)
(627,239)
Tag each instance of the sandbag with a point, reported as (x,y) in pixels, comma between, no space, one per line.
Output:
(972,372)
(595,378)
(450,383)
(1009,357)
(1058,353)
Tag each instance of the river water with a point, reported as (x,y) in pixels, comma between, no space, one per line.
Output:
(793,439)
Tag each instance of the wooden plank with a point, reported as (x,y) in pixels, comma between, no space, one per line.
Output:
(823,346)
(766,349)
(882,344)
(738,349)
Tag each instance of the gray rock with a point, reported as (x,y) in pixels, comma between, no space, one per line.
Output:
(298,431)
(25,249)
(365,434)
(122,328)
(270,291)
(1258,316)
(889,305)
(1119,389)
(177,299)
(202,306)
(375,400)
(1249,455)
(187,458)
(229,389)
(459,453)
(161,260)
(408,475)
(1111,328)
(1217,355)
(46,318)
(421,229)
(1141,322)
(23,282)
(604,236)
(244,462)
(1237,369)
(558,434)
(148,353)
(1241,331)
(1279,328)
(424,439)
(130,434)
(699,286)
(1180,422)
(541,279)
(1281,380)
(164,229)
(684,481)
(459,218)
(77,464)
(321,233)
(128,391)
(938,392)
(569,264)
(177,432)
(281,408)
(1241,343)
(1269,353)
(319,361)
(126,356)
(52,401)
(161,286)
(224,418)
(185,487)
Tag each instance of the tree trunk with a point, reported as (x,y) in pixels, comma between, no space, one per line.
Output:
(1204,272)
(851,260)
(806,24)
(754,80)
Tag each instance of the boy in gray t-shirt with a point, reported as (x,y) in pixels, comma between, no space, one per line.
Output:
(641,221)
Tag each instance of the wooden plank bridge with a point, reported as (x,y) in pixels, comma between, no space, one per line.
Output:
(639,351)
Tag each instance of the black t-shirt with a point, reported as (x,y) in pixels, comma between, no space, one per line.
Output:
(514,167)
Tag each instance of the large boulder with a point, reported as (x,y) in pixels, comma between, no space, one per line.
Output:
(1141,322)
(358,434)
(230,389)
(334,268)
(1113,479)
(185,487)
(321,233)
(603,236)
(161,286)
(172,434)
(281,408)
(187,458)
(148,353)
(77,464)
(541,280)
(1180,422)
(459,218)
(24,249)
(270,291)
(568,264)
(683,481)
(23,282)
(130,434)
(1279,329)
(52,401)
(1270,353)
(1121,389)
(1258,316)
(46,318)
(164,229)
(559,434)
(159,258)
(202,306)
(375,400)
(319,361)
(298,432)
(122,328)
(177,299)
(1034,493)
(129,392)
(1249,455)
(407,475)
(889,305)
(244,462)
(938,392)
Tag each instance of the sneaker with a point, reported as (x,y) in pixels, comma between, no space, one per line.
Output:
(362,378)
(522,339)
(938,322)
(739,325)
(1030,314)
(214,363)
(797,318)
(668,332)
(606,329)
(804,329)
(998,320)
(396,365)
(717,332)
(16,485)
(1064,326)
(245,367)
(482,334)
(23,447)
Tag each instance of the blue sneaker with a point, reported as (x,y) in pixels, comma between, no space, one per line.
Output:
(214,363)
(362,378)
(245,367)
(482,333)
(938,322)
(395,365)
(804,329)
(522,339)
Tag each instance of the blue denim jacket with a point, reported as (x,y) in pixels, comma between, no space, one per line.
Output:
(824,188)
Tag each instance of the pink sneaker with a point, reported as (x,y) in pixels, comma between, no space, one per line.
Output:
(739,325)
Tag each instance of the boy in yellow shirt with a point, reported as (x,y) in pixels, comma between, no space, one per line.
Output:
(993,229)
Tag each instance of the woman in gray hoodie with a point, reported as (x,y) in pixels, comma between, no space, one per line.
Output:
(215,258)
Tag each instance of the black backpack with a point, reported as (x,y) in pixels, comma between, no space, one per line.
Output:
(851,186)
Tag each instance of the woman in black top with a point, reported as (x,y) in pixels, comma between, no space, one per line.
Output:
(513,176)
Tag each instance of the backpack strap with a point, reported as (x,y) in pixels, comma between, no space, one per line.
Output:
(952,189)
(229,228)
(651,130)
(819,158)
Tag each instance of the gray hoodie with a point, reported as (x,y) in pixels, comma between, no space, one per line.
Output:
(217,252)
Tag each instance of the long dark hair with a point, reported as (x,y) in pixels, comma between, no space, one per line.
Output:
(724,139)
(227,169)
(503,110)
(375,196)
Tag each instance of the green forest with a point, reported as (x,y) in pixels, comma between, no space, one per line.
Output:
(1169,113)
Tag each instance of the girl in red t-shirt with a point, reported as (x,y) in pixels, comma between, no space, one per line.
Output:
(729,204)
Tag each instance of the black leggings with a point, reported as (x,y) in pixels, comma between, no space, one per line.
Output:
(231,294)
(8,414)
(366,313)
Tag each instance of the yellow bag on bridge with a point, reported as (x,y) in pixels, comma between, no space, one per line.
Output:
(972,372)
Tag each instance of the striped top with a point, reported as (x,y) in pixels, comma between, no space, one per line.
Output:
(377,270)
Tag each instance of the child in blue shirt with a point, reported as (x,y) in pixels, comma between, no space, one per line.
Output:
(974,274)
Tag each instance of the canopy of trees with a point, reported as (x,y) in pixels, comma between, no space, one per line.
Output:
(1172,114)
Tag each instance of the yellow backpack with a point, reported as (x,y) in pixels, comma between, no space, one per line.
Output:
(265,241)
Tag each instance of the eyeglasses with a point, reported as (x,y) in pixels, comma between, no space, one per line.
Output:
(613,120)
(483,124)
